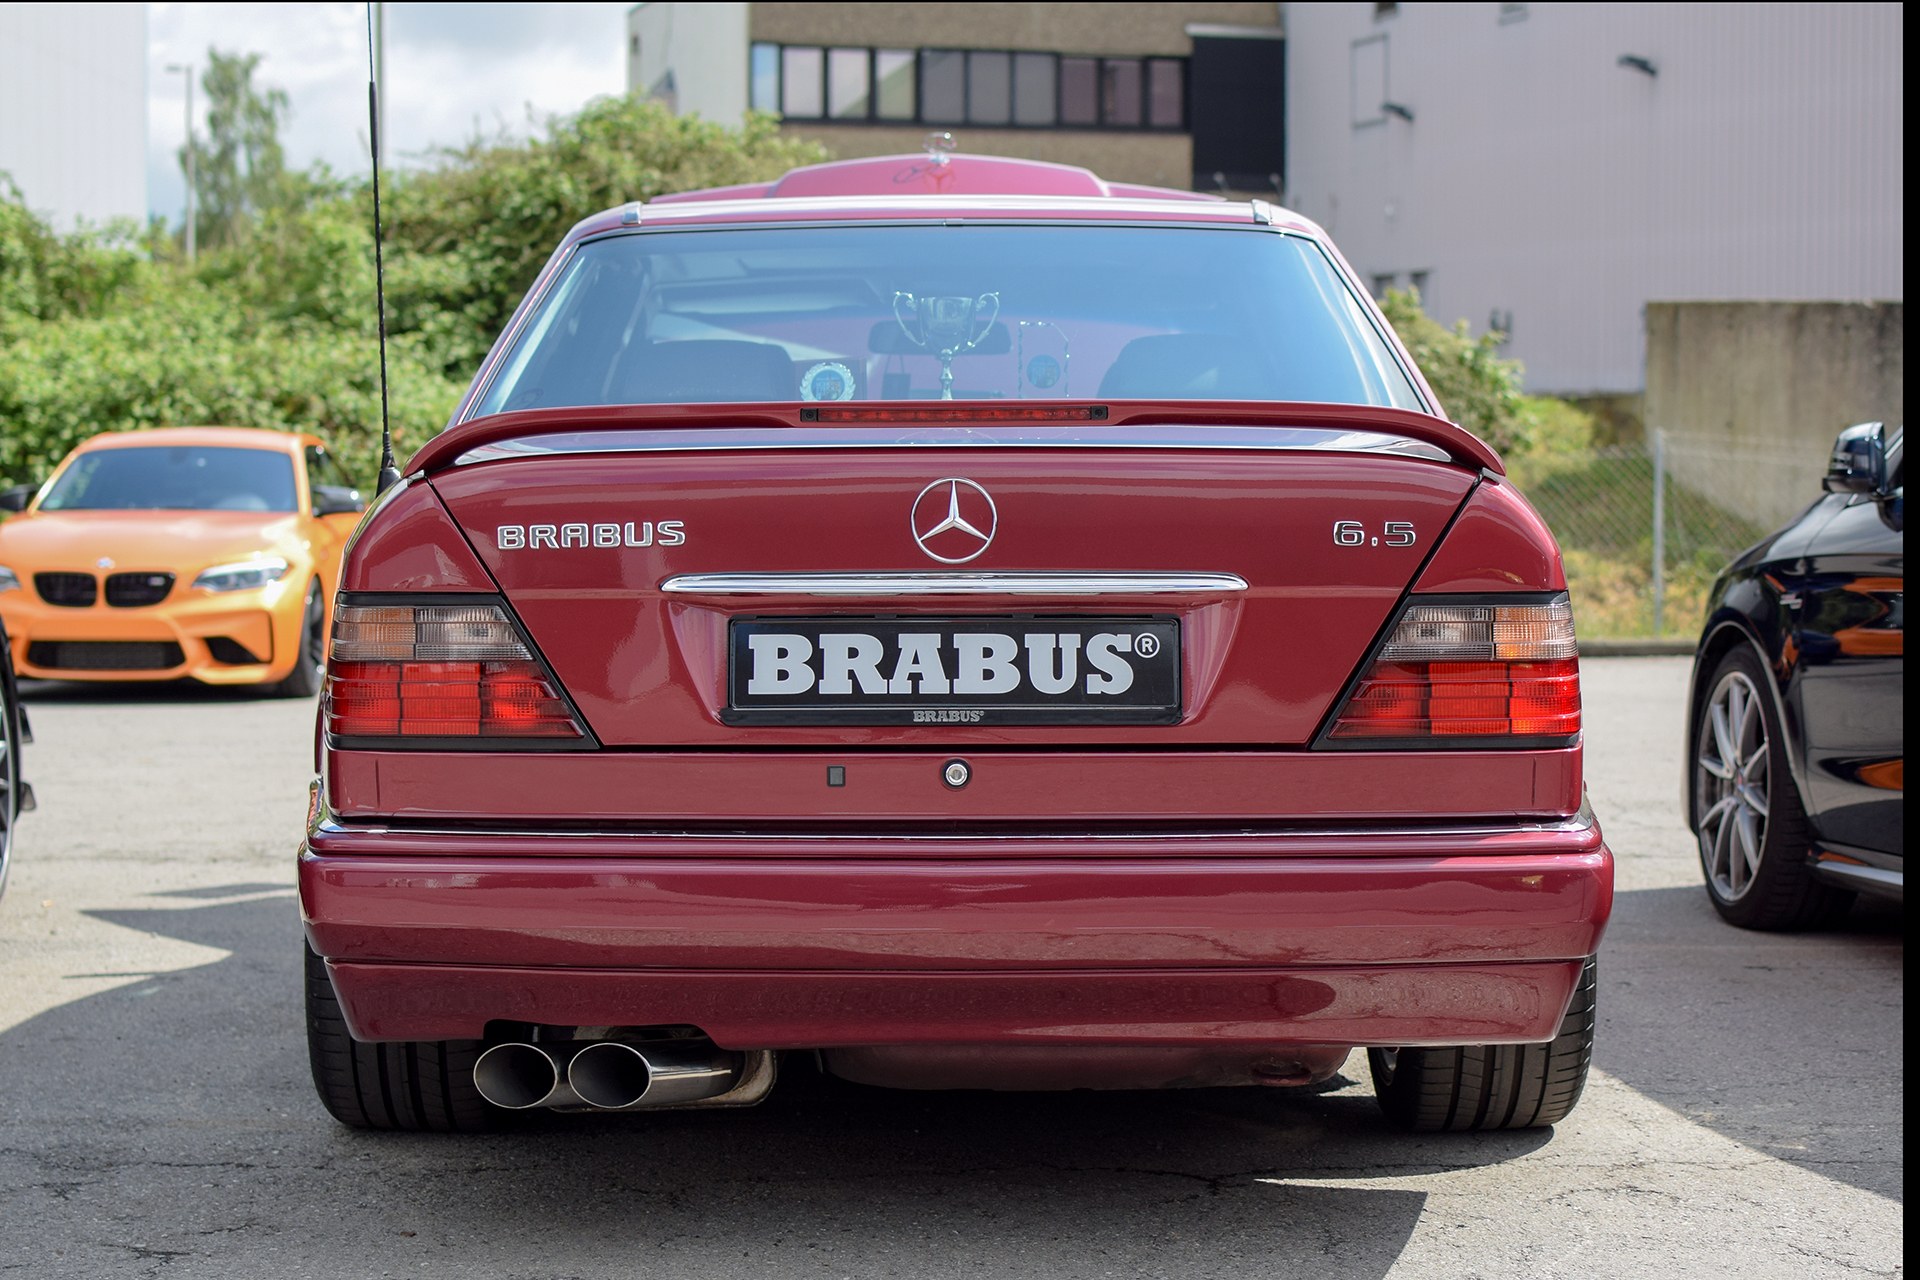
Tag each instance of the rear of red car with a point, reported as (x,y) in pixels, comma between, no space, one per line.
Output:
(967,647)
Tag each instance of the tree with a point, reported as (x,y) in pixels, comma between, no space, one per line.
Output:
(241,170)
(1479,390)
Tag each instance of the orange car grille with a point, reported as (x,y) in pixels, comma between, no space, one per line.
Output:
(124,590)
(132,590)
(73,590)
(105,655)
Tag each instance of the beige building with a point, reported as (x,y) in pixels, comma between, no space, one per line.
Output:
(1183,95)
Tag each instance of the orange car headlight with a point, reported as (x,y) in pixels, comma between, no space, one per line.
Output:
(9,580)
(242,575)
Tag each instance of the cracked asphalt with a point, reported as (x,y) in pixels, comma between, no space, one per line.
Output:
(1744,1117)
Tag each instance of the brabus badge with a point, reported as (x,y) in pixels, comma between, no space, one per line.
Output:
(560,537)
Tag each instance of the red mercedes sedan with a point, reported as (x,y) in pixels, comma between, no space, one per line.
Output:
(979,625)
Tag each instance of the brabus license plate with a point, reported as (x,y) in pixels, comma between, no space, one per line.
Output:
(966,670)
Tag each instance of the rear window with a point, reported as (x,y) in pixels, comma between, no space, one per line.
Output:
(925,312)
(175,478)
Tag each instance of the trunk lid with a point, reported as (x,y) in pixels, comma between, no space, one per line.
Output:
(595,551)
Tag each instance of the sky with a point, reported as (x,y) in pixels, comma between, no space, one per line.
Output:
(451,69)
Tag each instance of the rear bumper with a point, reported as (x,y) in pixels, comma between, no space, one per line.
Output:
(1399,938)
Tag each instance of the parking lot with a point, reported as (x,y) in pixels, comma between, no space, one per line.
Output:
(1744,1117)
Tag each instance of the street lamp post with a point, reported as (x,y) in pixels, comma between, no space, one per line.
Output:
(187,70)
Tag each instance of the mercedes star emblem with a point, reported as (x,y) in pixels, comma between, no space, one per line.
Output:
(953,520)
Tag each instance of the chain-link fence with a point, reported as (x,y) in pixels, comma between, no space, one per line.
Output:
(1646,527)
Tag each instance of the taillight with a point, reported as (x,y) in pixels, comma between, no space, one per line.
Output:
(438,671)
(1463,671)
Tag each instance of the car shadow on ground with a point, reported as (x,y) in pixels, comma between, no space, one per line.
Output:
(204,1072)
(1787,1042)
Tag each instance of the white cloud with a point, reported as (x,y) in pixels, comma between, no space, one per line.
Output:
(451,69)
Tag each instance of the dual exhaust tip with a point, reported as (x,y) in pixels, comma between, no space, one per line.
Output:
(608,1075)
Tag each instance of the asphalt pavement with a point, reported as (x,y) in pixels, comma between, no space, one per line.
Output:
(156,1119)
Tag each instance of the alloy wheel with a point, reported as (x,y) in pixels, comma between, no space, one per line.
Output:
(1732,786)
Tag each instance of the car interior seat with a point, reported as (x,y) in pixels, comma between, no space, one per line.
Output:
(705,370)
(1206,366)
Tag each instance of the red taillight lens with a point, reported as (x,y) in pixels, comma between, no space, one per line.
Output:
(461,672)
(1472,670)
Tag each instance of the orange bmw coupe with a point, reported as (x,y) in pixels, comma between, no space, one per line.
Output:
(210,552)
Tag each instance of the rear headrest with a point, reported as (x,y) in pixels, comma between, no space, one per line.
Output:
(1176,366)
(705,371)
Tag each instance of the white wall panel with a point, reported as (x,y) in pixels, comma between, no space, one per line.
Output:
(73,108)
(1539,177)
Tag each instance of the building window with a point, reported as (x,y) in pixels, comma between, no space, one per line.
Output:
(1166,93)
(1033,89)
(1418,279)
(1382,283)
(1079,91)
(943,86)
(1511,13)
(893,69)
(847,84)
(989,87)
(800,77)
(763,77)
(1369,81)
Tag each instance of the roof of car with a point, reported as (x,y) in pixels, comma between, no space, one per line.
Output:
(230,437)
(949,186)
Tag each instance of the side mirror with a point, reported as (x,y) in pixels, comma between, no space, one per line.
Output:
(18,497)
(1859,462)
(331,500)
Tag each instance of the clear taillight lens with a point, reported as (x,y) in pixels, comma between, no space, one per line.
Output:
(438,671)
(1471,670)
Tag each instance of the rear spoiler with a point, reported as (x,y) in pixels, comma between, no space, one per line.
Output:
(1453,442)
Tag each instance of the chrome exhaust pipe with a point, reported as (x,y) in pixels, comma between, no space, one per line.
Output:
(520,1077)
(616,1076)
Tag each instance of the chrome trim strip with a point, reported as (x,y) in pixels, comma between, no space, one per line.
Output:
(1874,880)
(1582,821)
(910,436)
(952,584)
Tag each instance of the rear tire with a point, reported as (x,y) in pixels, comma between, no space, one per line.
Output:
(1752,829)
(421,1086)
(1496,1086)
(304,680)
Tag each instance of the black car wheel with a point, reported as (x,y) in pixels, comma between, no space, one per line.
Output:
(1754,837)
(1495,1086)
(421,1086)
(304,680)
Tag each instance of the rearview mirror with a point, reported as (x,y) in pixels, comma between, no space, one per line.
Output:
(1859,462)
(18,497)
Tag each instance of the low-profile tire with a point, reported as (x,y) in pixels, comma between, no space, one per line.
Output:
(1753,833)
(423,1086)
(308,669)
(1495,1086)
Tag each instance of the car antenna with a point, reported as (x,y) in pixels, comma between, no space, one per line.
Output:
(389,473)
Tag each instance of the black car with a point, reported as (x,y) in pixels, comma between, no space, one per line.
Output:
(1794,781)
(16,797)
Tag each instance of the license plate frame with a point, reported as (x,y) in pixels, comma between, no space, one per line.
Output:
(1154,694)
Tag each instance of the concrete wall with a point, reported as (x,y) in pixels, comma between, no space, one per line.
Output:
(1541,179)
(73,109)
(1751,394)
